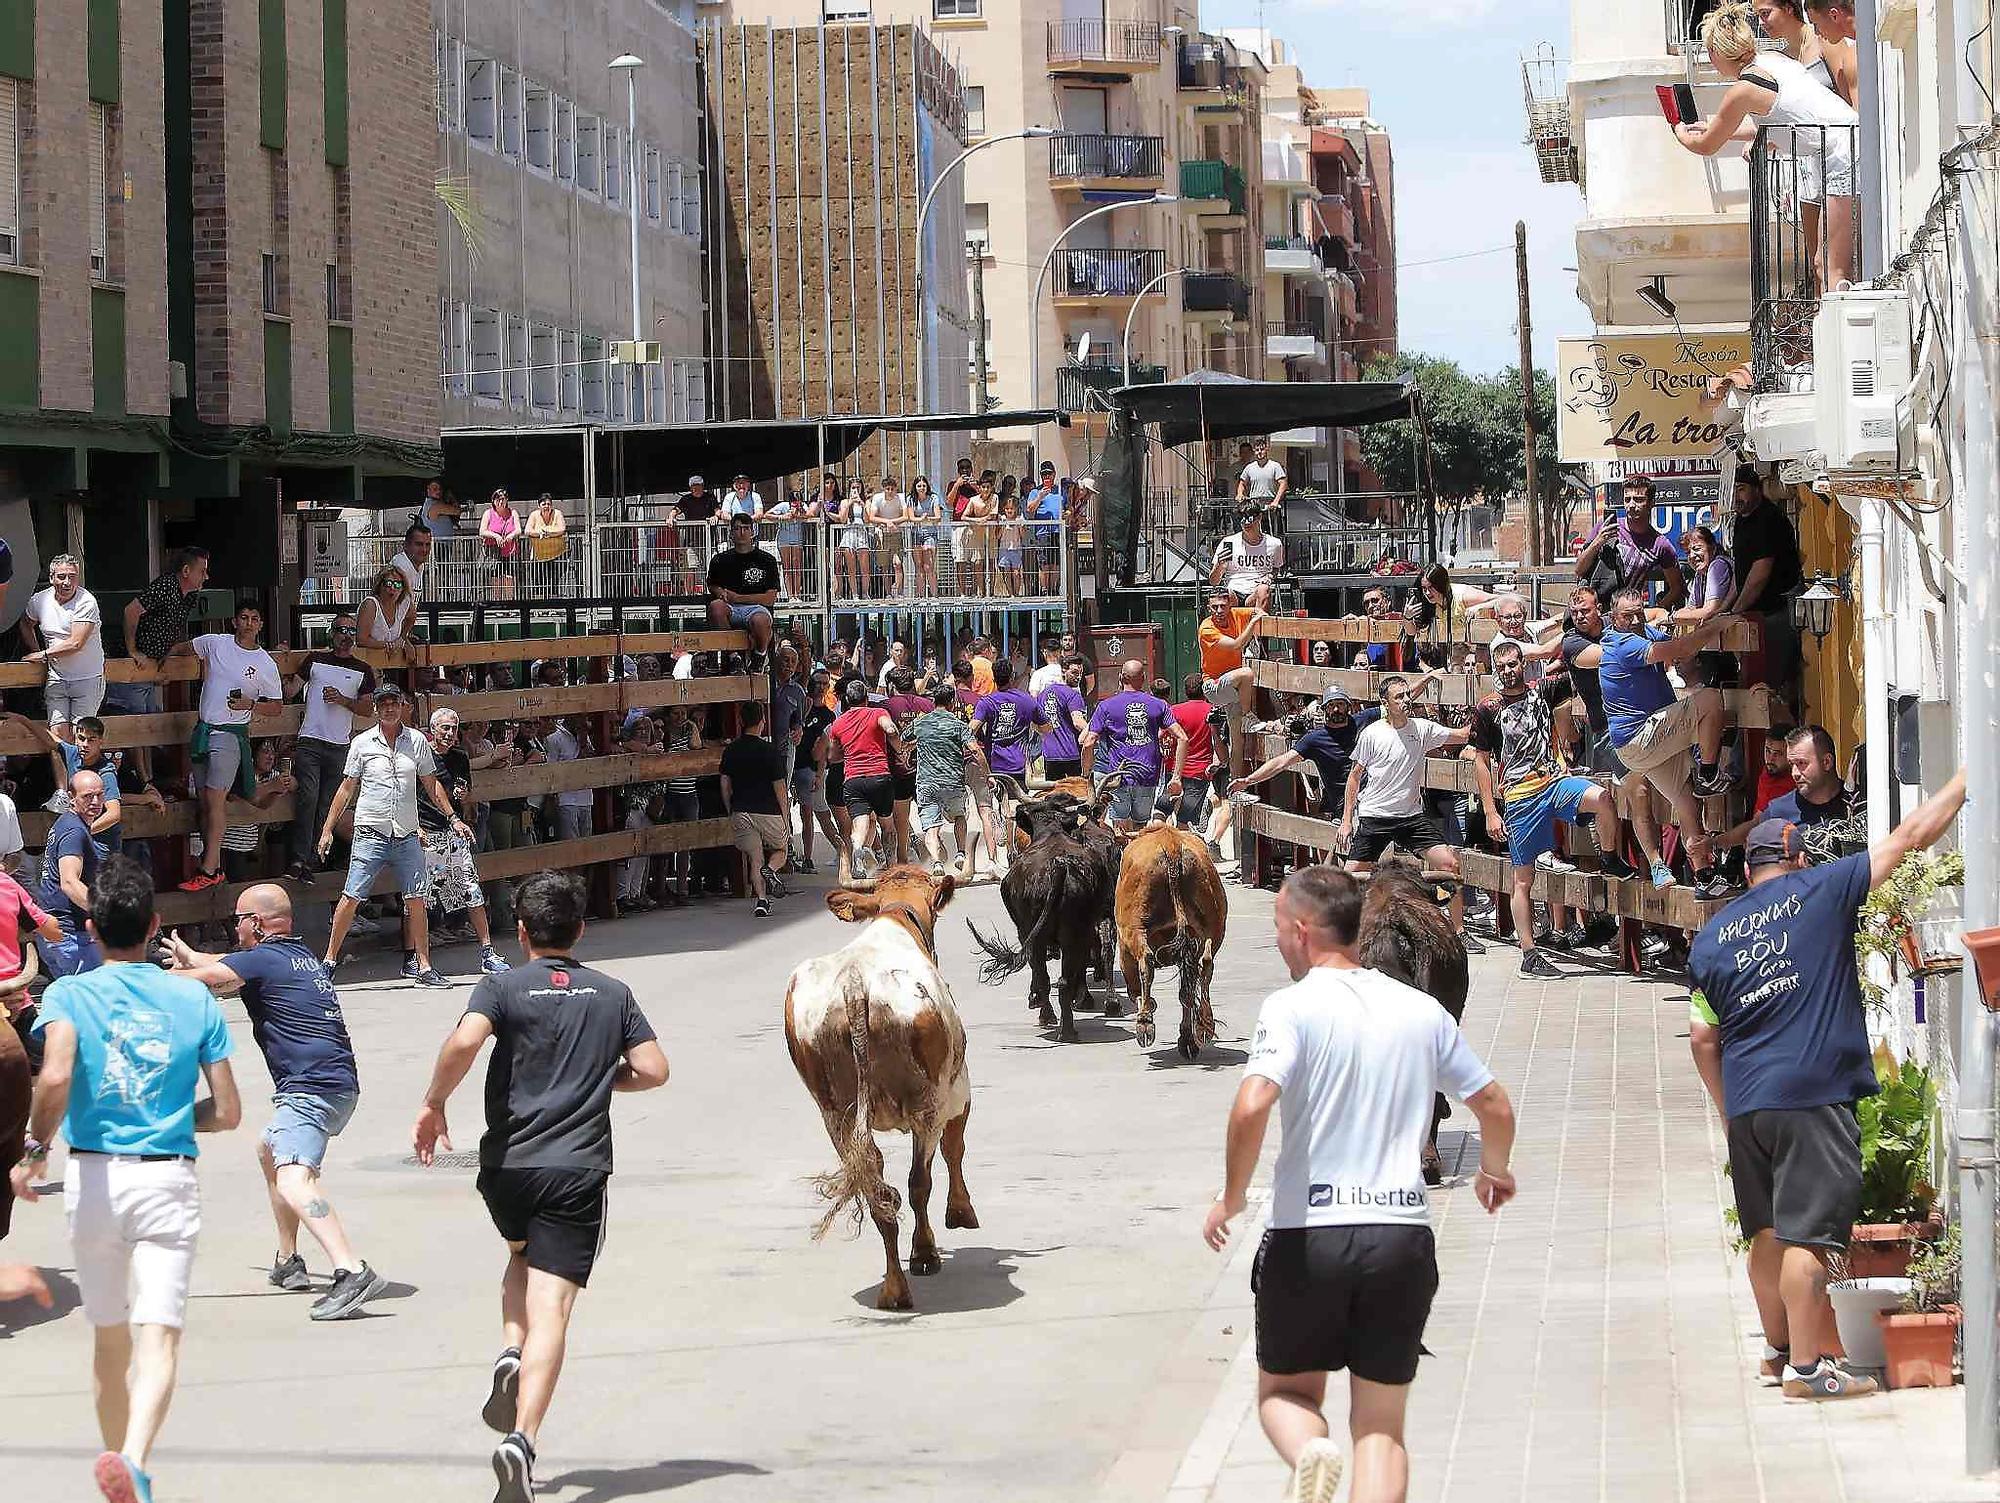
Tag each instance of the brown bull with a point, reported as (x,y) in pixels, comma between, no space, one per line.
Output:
(1171,910)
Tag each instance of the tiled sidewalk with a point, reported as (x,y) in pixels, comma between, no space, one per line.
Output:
(1597,1339)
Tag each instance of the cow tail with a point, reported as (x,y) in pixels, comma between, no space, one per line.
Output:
(857,1185)
(1183,925)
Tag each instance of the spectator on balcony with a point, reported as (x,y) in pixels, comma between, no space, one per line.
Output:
(927,530)
(1833,21)
(413,561)
(440,511)
(500,535)
(1627,552)
(698,505)
(548,532)
(1047,505)
(791,532)
(1262,481)
(1713,578)
(1011,537)
(970,540)
(336,687)
(63,631)
(1784,22)
(742,500)
(1247,561)
(386,614)
(854,557)
(743,583)
(888,514)
(1809,123)
(1765,555)
(240,680)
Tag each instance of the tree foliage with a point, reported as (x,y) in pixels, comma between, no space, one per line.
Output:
(1475,430)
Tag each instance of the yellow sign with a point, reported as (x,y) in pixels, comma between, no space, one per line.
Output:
(1641,396)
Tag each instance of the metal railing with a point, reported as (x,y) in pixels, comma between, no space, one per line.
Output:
(1213,181)
(1105,156)
(1106,273)
(1805,236)
(1292,328)
(949,563)
(1215,292)
(1089,39)
(461,568)
(1323,532)
(636,560)
(1076,383)
(1199,65)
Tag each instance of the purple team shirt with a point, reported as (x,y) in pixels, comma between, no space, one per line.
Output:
(1129,724)
(1004,719)
(1059,703)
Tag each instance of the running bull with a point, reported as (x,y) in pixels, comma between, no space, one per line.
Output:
(1171,910)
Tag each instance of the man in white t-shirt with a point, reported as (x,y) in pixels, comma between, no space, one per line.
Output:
(1050,673)
(1348,1266)
(1390,804)
(1247,561)
(239,682)
(1262,482)
(337,688)
(70,645)
(573,806)
(413,562)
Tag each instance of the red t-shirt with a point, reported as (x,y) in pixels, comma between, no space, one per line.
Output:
(1193,717)
(1772,785)
(14,902)
(861,739)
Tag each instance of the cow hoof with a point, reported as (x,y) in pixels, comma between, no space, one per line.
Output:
(1113,1008)
(925,1264)
(895,1299)
(1205,1033)
(1048,1017)
(966,1220)
(1189,1048)
(1145,1033)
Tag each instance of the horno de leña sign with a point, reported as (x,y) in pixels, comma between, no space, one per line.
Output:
(1642,396)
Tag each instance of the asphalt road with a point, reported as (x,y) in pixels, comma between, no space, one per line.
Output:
(719,1352)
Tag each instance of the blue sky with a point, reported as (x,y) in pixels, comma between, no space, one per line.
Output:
(1444,77)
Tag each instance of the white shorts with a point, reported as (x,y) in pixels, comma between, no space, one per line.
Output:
(132,1226)
(68,700)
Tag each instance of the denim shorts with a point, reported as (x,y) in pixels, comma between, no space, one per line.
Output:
(374,850)
(303,1122)
(938,807)
(743,615)
(1132,802)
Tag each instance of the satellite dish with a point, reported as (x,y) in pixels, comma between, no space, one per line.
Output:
(1083,349)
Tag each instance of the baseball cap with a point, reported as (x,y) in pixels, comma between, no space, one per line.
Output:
(1773,842)
(1048,467)
(696,480)
(389,691)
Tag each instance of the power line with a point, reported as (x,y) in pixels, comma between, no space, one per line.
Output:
(1461,256)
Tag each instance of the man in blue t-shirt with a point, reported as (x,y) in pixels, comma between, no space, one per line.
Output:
(1652,731)
(1130,723)
(69,870)
(1781,1039)
(295,1019)
(123,1049)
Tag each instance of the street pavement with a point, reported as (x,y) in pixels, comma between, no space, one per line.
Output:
(1595,1340)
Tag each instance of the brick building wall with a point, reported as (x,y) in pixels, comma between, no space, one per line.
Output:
(55,201)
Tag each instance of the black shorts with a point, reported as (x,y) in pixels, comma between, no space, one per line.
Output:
(1353,1297)
(1798,1173)
(1415,833)
(1190,810)
(876,795)
(1057,768)
(904,785)
(557,1213)
(836,779)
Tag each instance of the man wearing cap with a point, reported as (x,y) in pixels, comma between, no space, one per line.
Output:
(743,585)
(741,501)
(1045,505)
(1780,1035)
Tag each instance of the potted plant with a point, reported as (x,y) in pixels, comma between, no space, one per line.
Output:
(1896,1195)
(1918,1339)
(1887,927)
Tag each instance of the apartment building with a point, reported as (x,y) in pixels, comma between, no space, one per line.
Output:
(206,286)
(538,170)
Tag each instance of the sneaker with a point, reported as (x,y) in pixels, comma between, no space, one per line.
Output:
(491,964)
(806,868)
(1214,850)
(763,908)
(1549,861)
(1663,875)
(120,1481)
(1652,947)
(290,1274)
(363,924)
(1535,963)
(1316,1476)
(1721,780)
(423,975)
(1611,864)
(199,882)
(1826,1380)
(302,872)
(514,1467)
(352,1288)
(774,885)
(1473,946)
(1771,1370)
(499,1410)
(1712,884)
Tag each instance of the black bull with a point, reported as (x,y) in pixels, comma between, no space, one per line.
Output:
(1405,935)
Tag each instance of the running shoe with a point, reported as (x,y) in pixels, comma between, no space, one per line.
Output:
(1472,946)
(1719,780)
(1549,861)
(363,924)
(302,872)
(774,885)
(806,868)
(763,908)
(514,1467)
(1316,1475)
(1611,864)
(491,964)
(290,1274)
(199,882)
(1825,1380)
(352,1288)
(1712,884)
(1663,875)
(1652,947)
(499,1410)
(423,975)
(1535,963)
(120,1481)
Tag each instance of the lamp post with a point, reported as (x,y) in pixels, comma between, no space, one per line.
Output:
(1178,271)
(630,65)
(1030,133)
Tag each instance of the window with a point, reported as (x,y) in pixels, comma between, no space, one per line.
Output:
(977,235)
(451,346)
(337,311)
(449,58)
(482,99)
(593,376)
(543,359)
(674,204)
(955,10)
(565,141)
(10,172)
(614,165)
(484,352)
(569,378)
(836,11)
(651,184)
(975,108)
(614,393)
(541,128)
(517,361)
(100,178)
(510,112)
(272,290)
(589,149)
(691,203)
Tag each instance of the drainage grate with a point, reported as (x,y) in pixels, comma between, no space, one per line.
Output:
(446,1161)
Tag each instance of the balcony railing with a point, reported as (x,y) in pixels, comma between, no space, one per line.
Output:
(1310,328)
(1200,65)
(1323,533)
(927,564)
(1107,273)
(1091,40)
(1105,157)
(1215,292)
(1076,384)
(1805,235)
(1213,181)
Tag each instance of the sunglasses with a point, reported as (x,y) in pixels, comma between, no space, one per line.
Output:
(237,918)
(347,631)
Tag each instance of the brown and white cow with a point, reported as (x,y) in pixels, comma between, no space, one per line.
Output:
(1171,910)
(876,1038)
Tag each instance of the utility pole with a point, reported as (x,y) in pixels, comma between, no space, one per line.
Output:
(1528,434)
(980,401)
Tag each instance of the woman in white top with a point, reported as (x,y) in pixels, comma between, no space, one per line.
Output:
(855,558)
(886,509)
(1772,89)
(384,620)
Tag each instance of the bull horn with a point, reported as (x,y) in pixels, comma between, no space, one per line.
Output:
(866,884)
(1037,785)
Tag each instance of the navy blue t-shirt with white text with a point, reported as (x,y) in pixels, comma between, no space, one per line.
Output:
(295,1018)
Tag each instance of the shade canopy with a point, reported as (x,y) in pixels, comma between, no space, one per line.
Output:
(1217,404)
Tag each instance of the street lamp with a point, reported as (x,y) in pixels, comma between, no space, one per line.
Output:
(1813,607)
(1178,271)
(630,65)
(1035,299)
(1031,133)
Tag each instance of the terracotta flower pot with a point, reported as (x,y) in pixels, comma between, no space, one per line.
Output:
(1918,1348)
(1881,1250)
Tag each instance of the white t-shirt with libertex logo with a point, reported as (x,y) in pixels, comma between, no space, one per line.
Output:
(1356,1056)
(1394,762)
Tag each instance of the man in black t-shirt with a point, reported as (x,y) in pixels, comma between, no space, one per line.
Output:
(743,585)
(755,794)
(564,1038)
(1765,552)
(698,505)
(295,1019)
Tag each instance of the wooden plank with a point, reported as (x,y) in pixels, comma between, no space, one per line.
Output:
(180,817)
(1282,824)
(1739,636)
(1363,683)
(636,642)
(738,688)
(520,704)
(593,772)
(1447,774)
(171,728)
(513,650)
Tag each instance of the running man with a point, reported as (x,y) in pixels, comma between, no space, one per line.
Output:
(1348,1267)
(295,1019)
(1390,805)
(1067,717)
(123,1046)
(1130,723)
(564,1038)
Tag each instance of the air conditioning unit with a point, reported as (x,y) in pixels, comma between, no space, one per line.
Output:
(1862,367)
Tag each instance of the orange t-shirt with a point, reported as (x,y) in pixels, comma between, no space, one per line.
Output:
(1216,658)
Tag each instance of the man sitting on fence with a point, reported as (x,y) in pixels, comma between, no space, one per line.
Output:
(743,583)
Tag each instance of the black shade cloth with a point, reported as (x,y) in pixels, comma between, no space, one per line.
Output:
(649,459)
(1222,405)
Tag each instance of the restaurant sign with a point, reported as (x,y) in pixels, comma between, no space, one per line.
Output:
(1641,396)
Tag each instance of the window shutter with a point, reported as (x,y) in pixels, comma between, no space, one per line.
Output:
(10,167)
(100,219)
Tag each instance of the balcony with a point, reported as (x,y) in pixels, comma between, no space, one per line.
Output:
(1804,234)
(1286,166)
(1207,295)
(1336,216)
(1077,384)
(1292,256)
(1199,66)
(1295,340)
(1096,48)
(1131,164)
(1095,278)
(1212,187)
(1347,294)
(1683,26)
